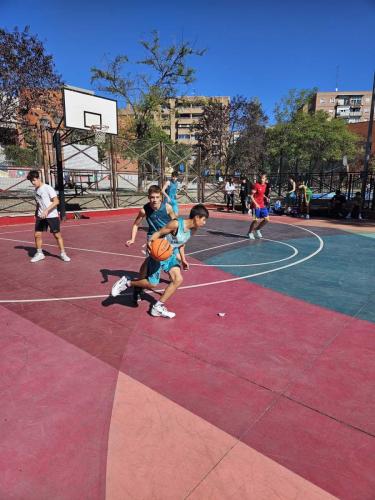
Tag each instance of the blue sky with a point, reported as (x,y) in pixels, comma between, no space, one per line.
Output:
(260,48)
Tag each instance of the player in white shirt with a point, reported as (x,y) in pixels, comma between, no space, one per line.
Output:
(46,215)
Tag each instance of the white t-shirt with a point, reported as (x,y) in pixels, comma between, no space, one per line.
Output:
(43,196)
(229,188)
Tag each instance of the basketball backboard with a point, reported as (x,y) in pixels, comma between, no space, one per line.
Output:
(83,110)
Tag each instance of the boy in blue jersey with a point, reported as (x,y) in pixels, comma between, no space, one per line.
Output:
(157,214)
(177,232)
(170,190)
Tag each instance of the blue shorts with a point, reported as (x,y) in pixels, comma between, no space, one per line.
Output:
(261,213)
(155,267)
(174,205)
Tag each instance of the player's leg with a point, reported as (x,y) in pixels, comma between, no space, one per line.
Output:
(264,214)
(54,225)
(149,282)
(38,242)
(159,309)
(253,226)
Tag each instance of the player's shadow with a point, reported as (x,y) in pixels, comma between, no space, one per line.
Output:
(31,251)
(225,234)
(125,298)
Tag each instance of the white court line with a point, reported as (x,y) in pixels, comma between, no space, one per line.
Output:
(218,282)
(75,248)
(295,252)
(83,224)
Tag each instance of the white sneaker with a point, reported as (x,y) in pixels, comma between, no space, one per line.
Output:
(258,234)
(119,286)
(64,257)
(160,310)
(251,236)
(307,216)
(37,257)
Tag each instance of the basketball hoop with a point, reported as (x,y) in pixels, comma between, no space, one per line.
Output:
(100,133)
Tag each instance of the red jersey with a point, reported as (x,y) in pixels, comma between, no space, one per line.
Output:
(258,193)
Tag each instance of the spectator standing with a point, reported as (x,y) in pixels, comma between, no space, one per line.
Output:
(230,189)
(244,195)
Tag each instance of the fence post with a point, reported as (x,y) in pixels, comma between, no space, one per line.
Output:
(199,171)
(162,164)
(114,203)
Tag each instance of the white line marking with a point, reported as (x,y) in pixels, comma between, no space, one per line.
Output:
(295,252)
(77,224)
(75,248)
(228,280)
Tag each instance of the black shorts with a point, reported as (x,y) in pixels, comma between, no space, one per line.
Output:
(52,222)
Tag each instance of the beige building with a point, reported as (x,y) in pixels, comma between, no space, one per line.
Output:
(179,116)
(352,106)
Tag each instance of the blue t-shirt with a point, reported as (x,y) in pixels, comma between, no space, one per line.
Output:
(172,189)
(156,219)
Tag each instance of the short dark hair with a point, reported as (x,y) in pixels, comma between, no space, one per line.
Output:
(154,189)
(199,211)
(174,174)
(33,174)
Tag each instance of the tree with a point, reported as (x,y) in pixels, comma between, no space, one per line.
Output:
(25,72)
(162,72)
(233,134)
(310,141)
(288,106)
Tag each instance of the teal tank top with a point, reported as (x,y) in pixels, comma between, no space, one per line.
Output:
(156,219)
(181,237)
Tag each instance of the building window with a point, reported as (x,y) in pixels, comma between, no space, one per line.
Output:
(367,110)
(332,99)
(183,136)
(322,101)
(356,100)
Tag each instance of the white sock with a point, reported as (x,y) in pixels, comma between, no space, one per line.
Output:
(158,303)
(39,250)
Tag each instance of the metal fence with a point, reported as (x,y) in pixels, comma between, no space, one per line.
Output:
(119,172)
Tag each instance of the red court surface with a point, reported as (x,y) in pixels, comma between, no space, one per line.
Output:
(273,400)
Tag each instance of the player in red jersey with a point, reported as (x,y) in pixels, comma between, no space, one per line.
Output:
(257,197)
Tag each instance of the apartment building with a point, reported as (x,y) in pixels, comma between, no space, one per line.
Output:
(352,106)
(178,116)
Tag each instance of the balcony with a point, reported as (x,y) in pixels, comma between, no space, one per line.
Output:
(355,113)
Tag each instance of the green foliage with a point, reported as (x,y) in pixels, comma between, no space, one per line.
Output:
(25,71)
(161,72)
(21,156)
(288,106)
(309,141)
(233,135)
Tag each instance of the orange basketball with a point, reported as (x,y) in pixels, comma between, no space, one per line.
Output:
(161,249)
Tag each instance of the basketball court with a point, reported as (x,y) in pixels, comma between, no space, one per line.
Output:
(261,387)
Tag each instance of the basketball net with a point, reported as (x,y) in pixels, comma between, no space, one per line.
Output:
(100,133)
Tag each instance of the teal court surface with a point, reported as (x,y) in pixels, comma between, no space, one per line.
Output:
(261,387)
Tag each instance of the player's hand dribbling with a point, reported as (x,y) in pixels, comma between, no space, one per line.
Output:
(185,265)
(129,242)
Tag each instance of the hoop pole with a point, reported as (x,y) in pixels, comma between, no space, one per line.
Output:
(113,174)
(60,174)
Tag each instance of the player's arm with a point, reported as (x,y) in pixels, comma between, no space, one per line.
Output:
(166,184)
(171,227)
(54,203)
(184,262)
(170,211)
(141,215)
